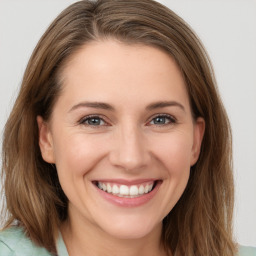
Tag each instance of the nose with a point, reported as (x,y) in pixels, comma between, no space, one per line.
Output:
(129,150)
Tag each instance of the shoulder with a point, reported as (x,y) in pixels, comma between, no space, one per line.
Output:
(14,242)
(247,251)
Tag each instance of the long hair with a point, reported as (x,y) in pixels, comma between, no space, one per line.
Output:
(201,222)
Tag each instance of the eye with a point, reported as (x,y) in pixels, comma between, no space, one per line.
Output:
(162,120)
(93,121)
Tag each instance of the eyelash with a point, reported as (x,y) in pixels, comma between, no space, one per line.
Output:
(172,120)
(84,121)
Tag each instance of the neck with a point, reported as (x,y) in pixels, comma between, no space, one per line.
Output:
(88,239)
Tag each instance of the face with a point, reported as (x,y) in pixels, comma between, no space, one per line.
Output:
(122,137)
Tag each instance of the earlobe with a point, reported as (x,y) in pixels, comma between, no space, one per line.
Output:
(45,140)
(199,128)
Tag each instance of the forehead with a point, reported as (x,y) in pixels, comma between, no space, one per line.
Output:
(122,70)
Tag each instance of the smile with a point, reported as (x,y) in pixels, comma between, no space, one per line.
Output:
(127,191)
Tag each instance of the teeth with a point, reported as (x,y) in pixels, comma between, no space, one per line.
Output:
(109,189)
(141,190)
(125,191)
(134,191)
(146,189)
(100,185)
(104,187)
(115,189)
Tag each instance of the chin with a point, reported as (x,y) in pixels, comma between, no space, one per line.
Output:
(128,228)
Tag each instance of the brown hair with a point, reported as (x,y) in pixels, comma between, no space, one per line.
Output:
(201,221)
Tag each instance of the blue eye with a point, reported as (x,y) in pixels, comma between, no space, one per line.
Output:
(162,120)
(93,121)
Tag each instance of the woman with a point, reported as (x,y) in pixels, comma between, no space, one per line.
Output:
(118,143)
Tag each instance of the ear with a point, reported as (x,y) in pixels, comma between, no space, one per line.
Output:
(199,128)
(45,140)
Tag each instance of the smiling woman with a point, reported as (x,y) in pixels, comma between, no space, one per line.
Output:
(118,143)
(122,169)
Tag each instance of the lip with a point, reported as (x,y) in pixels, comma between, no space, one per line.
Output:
(126,182)
(129,202)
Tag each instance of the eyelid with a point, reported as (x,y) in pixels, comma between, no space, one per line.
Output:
(84,118)
(173,119)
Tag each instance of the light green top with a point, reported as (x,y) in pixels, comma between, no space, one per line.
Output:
(13,242)
(247,251)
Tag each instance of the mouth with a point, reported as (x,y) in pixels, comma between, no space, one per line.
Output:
(119,189)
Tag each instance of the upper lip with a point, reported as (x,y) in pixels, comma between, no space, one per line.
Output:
(125,182)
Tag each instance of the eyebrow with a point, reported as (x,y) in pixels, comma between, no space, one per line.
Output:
(164,104)
(97,105)
(106,106)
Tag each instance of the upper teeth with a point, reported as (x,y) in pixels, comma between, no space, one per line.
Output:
(126,191)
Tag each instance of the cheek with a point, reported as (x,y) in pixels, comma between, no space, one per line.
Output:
(77,154)
(174,155)
(174,152)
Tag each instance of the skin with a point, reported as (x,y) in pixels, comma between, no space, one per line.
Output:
(127,143)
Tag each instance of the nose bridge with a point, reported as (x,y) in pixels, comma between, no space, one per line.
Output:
(130,151)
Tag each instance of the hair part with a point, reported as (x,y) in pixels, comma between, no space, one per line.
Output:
(201,221)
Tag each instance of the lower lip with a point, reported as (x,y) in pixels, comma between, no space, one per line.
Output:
(129,202)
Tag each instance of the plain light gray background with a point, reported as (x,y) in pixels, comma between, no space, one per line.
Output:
(227,29)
